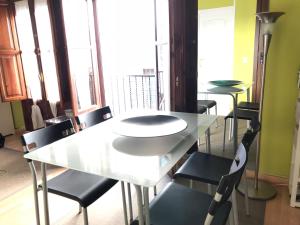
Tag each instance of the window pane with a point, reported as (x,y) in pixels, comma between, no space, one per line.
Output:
(128,53)
(26,42)
(46,46)
(77,26)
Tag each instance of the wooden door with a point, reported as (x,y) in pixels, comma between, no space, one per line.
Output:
(183,55)
(12,80)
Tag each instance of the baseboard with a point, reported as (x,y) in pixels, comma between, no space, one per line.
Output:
(275,180)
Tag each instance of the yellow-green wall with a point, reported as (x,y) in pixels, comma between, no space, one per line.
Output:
(209,4)
(280,90)
(18,115)
(280,85)
(244,34)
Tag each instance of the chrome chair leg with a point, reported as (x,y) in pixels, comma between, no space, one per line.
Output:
(129,203)
(80,209)
(155,190)
(85,216)
(216,112)
(246,194)
(124,203)
(234,207)
(35,194)
(224,135)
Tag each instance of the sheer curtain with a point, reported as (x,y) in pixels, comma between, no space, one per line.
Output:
(26,43)
(47,53)
(127,47)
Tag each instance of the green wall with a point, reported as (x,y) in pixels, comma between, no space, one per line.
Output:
(281,90)
(18,115)
(281,79)
(244,34)
(209,4)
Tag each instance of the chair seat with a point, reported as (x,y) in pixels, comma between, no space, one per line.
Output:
(248,105)
(201,109)
(206,103)
(244,114)
(180,205)
(205,168)
(81,187)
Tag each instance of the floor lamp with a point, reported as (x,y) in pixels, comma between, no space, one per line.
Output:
(262,190)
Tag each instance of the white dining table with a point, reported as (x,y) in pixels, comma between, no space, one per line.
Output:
(141,161)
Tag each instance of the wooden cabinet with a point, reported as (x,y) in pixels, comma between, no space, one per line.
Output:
(12,82)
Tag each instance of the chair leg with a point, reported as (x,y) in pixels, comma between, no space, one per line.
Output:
(209,189)
(246,194)
(191,183)
(230,129)
(35,193)
(224,135)
(80,209)
(155,190)
(36,204)
(216,112)
(85,216)
(234,207)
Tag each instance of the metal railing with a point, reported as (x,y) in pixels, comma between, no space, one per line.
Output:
(132,92)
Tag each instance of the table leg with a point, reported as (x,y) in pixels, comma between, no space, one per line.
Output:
(146,205)
(235,123)
(208,140)
(140,203)
(129,203)
(45,193)
(124,203)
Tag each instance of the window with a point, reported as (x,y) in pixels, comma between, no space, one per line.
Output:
(44,77)
(80,35)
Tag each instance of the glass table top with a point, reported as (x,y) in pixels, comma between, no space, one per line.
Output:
(213,89)
(138,160)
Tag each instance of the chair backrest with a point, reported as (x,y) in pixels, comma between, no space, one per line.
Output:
(228,182)
(94,117)
(39,138)
(250,134)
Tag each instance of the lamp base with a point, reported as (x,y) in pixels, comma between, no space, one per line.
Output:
(265,191)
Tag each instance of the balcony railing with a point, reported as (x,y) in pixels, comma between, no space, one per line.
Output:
(132,92)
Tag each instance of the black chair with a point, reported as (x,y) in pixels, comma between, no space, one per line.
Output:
(92,118)
(180,205)
(208,104)
(209,168)
(75,185)
(248,106)
(201,109)
(241,114)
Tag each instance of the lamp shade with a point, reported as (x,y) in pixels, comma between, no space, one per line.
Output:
(268,20)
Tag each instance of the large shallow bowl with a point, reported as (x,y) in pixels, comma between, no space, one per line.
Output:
(224,83)
(149,126)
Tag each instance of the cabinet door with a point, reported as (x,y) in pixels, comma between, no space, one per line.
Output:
(12,83)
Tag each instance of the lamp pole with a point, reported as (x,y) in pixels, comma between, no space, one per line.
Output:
(262,190)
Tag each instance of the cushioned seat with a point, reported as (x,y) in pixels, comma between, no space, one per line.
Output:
(70,184)
(179,205)
(207,103)
(201,109)
(204,167)
(243,115)
(248,105)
